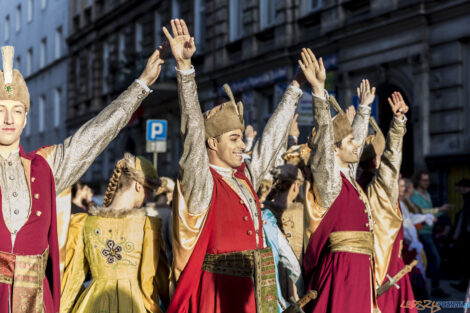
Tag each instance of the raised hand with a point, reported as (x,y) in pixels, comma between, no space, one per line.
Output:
(294,128)
(250,132)
(398,105)
(350,113)
(365,94)
(181,43)
(153,68)
(314,71)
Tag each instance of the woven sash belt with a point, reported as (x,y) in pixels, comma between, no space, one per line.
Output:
(26,275)
(257,264)
(352,241)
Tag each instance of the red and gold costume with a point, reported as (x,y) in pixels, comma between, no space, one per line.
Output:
(220,261)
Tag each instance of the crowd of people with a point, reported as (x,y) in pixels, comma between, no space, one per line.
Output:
(250,224)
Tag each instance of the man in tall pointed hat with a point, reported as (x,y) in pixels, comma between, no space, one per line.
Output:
(380,162)
(220,259)
(338,260)
(29,257)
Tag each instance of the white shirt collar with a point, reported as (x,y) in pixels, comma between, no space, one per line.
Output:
(223,170)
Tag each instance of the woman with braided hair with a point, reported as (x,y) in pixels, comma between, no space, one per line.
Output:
(122,247)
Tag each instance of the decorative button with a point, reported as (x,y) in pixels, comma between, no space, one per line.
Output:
(16,211)
(10,163)
(38,213)
(245,218)
(251,200)
(249,233)
(139,97)
(14,232)
(143,91)
(12,177)
(367,224)
(36,196)
(264,222)
(365,211)
(241,202)
(15,194)
(33,179)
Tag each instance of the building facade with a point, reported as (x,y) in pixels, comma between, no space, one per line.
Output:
(38,33)
(420,48)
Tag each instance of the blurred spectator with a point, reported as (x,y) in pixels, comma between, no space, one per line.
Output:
(423,204)
(412,247)
(82,196)
(161,208)
(462,234)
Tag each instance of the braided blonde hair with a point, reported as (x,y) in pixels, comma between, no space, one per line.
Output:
(123,175)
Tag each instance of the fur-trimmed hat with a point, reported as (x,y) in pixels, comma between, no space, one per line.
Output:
(374,143)
(167,185)
(225,117)
(298,155)
(12,84)
(341,125)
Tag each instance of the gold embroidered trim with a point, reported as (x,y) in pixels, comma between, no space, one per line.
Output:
(352,241)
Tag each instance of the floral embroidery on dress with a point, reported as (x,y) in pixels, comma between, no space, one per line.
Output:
(113,252)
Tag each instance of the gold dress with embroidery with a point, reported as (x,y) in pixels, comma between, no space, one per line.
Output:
(126,257)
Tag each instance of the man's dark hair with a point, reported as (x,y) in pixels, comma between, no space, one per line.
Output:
(417,177)
(77,186)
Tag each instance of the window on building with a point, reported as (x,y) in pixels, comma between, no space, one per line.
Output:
(138,37)
(6,28)
(41,113)
(267,13)
(43,53)
(18,18)
(29,62)
(57,100)
(18,63)
(199,22)
(89,3)
(122,47)
(157,25)
(175,9)
(310,6)
(78,75)
(58,43)
(77,7)
(236,20)
(30,10)
(43,4)
(105,67)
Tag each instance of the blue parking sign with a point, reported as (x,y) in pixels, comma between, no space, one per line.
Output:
(156,130)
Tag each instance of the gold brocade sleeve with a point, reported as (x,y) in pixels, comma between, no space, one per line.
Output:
(154,270)
(360,127)
(383,198)
(274,137)
(76,266)
(185,232)
(325,170)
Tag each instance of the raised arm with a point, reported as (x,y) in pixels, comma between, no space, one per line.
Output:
(360,125)
(325,169)
(274,137)
(194,174)
(387,174)
(71,159)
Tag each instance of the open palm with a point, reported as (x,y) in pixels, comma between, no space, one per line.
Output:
(181,43)
(398,105)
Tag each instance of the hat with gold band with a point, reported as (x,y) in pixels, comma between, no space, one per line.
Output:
(12,84)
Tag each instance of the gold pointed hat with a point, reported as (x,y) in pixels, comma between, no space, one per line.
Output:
(225,117)
(12,84)
(374,143)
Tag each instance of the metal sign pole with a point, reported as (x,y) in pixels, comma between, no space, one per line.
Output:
(155,159)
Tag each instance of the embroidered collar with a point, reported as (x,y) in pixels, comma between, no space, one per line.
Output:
(226,172)
(115,213)
(13,155)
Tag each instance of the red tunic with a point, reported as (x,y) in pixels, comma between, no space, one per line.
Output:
(343,279)
(392,300)
(395,300)
(228,228)
(37,234)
